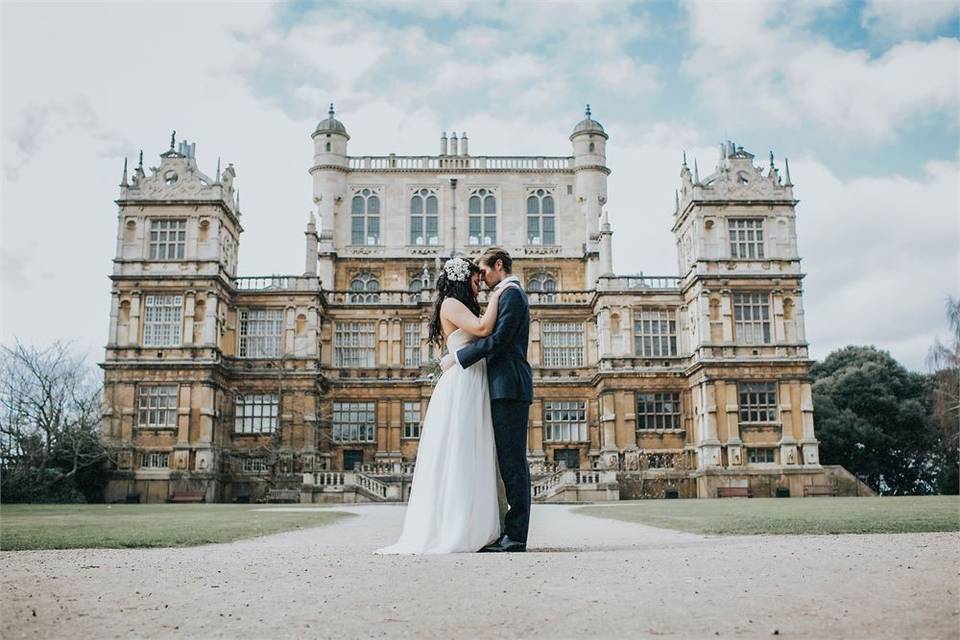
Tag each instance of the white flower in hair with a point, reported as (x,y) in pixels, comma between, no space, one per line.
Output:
(457,269)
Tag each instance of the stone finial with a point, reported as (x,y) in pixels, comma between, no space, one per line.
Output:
(331,111)
(771,159)
(123,181)
(786,166)
(173,138)
(140,165)
(216,178)
(587,111)
(684,158)
(696,172)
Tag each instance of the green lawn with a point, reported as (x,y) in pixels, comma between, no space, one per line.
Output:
(65,526)
(743,516)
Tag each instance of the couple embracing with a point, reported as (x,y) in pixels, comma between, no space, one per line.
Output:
(477,418)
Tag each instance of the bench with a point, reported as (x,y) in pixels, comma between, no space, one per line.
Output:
(819,490)
(734,492)
(186,496)
(283,495)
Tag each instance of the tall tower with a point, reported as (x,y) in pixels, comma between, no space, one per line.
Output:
(590,164)
(330,165)
(736,242)
(175,264)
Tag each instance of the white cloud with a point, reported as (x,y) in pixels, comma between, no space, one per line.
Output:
(881,255)
(243,89)
(900,18)
(755,67)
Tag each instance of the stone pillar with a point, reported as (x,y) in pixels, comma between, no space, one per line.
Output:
(188,316)
(808,442)
(134,318)
(609,457)
(731,414)
(708,444)
(210,328)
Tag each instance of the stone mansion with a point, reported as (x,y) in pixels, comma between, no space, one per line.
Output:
(315,384)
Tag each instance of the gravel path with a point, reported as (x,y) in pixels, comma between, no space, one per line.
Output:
(589,577)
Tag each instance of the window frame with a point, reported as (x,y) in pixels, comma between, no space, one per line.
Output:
(745,235)
(369,199)
(351,408)
(671,420)
(552,355)
(537,199)
(484,217)
(746,330)
(170,408)
(159,238)
(357,332)
(758,408)
(412,426)
(243,339)
(412,357)
(250,415)
(424,197)
(659,315)
(155,332)
(566,425)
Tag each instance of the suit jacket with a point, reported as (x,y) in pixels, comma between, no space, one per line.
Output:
(508,372)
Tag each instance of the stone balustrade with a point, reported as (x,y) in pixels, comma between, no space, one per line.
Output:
(277,283)
(483,163)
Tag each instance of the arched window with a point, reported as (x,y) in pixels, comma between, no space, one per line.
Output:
(483,218)
(423,218)
(365,288)
(365,218)
(328,147)
(540,218)
(592,147)
(544,284)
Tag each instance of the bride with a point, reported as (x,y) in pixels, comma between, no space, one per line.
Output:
(453,501)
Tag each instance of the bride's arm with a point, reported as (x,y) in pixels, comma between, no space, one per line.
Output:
(457,313)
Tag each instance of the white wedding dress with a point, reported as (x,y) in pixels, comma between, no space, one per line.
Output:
(453,501)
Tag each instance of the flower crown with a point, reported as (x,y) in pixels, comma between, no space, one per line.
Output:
(457,269)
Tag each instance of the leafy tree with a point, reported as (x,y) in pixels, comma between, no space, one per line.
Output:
(872,416)
(944,363)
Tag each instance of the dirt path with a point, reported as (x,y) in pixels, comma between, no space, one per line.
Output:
(590,578)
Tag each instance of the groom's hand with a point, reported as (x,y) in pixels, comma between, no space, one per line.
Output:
(447,361)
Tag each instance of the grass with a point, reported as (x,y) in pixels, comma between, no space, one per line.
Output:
(742,516)
(101,526)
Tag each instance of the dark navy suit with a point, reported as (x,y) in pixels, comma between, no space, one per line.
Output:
(511,392)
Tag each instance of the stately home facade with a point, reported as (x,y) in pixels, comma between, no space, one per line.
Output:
(317,383)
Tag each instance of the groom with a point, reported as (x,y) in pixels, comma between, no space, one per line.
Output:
(511,391)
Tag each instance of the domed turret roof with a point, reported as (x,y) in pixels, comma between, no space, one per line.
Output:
(588,125)
(331,125)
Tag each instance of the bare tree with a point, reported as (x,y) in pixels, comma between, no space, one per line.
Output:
(50,412)
(943,361)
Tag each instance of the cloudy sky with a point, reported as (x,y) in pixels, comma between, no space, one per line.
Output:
(862,97)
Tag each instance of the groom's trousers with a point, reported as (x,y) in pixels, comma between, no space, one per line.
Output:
(510,433)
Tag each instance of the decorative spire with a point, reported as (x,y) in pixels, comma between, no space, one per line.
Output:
(676,199)
(587,111)
(123,182)
(238,200)
(331,111)
(786,166)
(771,160)
(684,158)
(173,137)
(140,165)
(696,172)
(216,178)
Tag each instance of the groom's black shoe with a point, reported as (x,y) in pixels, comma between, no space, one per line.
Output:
(504,544)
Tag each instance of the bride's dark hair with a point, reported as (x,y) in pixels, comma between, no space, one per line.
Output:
(457,289)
